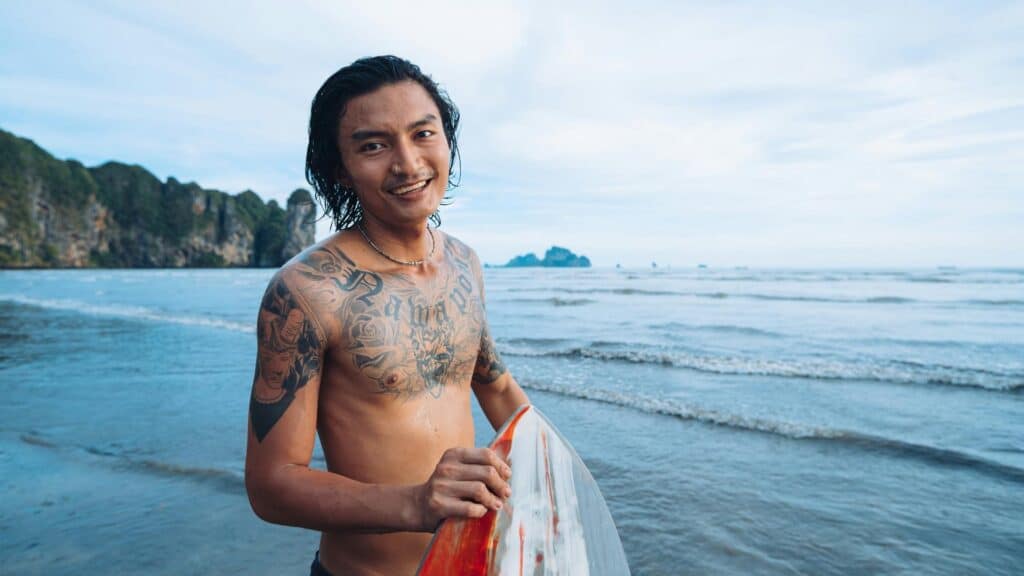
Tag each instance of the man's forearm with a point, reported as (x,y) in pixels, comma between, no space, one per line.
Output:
(500,399)
(319,500)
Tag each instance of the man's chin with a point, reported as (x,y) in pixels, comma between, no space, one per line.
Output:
(412,217)
(415,212)
(404,212)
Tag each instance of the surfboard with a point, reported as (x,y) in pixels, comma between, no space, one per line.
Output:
(555,522)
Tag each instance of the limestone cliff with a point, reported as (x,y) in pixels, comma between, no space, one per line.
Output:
(57,213)
(555,257)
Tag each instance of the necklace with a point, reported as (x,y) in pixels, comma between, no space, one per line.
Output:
(366,237)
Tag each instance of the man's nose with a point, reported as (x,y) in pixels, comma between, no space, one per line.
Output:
(406,159)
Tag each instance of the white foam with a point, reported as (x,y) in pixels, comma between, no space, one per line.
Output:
(686,411)
(131,312)
(792,368)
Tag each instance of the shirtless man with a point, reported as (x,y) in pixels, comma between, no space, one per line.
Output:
(374,337)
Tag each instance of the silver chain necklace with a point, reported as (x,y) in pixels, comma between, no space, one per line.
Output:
(366,237)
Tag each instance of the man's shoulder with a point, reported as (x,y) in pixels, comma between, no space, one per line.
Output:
(460,249)
(318,279)
(316,264)
(319,256)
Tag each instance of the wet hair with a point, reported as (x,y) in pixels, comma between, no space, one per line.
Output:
(323,158)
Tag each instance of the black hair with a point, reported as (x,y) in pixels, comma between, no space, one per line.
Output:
(323,159)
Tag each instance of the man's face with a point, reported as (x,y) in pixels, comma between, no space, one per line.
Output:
(394,153)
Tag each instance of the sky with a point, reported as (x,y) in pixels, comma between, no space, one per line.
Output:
(760,134)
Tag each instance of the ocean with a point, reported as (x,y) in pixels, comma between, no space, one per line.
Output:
(738,421)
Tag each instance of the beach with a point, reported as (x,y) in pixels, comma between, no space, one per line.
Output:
(737,420)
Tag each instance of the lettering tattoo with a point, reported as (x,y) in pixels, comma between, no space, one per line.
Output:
(405,338)
(289,355)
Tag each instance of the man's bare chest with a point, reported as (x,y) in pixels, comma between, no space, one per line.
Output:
(394,334)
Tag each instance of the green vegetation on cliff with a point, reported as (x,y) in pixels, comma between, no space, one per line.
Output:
(24,166)
(270,236)
(60,213)
(137,199)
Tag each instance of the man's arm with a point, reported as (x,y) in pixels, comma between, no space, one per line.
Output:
(498,392)
(282,429)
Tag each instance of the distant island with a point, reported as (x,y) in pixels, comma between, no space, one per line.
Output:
(61,214)
(555,257)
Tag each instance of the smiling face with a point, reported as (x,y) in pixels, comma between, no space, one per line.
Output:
(394,153)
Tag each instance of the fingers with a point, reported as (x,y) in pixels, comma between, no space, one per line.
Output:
(490,477)
(482,456)
(479,464)
(467,482)
(447,504)
(474,492)
(465,490)
(466,509)
(461,498)
(471,510)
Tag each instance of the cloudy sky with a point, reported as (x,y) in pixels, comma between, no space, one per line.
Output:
(726,133)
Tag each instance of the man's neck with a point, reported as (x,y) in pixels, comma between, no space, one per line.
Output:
(409,243)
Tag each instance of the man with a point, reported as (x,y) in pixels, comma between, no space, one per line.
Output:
(374,337)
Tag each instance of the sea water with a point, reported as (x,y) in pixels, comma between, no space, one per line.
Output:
(738,421)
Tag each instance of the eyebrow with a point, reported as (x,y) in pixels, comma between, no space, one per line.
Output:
(360,135)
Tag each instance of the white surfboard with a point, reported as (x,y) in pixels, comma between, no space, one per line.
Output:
(555,522)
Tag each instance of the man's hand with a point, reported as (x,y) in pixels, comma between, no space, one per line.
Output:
(467,482)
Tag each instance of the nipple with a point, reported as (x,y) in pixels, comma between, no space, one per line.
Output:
(391,382)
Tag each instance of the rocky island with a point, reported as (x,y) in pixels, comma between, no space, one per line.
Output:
(555,257)
(61,214)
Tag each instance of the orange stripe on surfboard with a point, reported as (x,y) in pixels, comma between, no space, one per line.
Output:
(467,545)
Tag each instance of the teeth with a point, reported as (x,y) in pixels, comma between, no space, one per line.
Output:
(411,188)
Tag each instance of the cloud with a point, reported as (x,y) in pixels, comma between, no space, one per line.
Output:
(753,132)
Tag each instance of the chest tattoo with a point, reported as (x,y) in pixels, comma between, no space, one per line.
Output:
(406,338)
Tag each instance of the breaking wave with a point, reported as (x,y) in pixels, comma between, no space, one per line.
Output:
(716,328)
(226,480)
(719,295)
(902,372)
(130,312)
(554,301)
(871,442)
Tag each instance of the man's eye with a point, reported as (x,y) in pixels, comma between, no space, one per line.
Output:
(425,133)
(371,147)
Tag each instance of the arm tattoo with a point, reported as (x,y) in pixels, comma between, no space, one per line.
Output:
(489,366)
(289,356)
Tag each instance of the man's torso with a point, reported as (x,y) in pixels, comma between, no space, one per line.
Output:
(395,380)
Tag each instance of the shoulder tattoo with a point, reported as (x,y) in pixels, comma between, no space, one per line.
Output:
(290,346)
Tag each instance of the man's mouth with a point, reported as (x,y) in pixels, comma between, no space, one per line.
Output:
(408,188)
